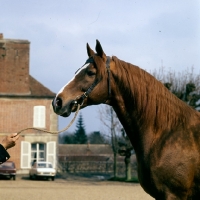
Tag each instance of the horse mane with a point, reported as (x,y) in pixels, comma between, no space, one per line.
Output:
(152,101)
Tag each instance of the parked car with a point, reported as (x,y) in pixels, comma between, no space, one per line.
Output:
(42,169)
(8,170)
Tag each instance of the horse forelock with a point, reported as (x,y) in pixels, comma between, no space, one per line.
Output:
(153,102)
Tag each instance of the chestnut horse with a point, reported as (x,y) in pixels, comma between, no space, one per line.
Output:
(164,131)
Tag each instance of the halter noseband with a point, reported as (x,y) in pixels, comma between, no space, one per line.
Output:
(89,90)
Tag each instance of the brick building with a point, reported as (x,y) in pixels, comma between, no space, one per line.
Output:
(24,102)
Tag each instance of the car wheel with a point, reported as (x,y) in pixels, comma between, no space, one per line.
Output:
(52,178)
(14,178)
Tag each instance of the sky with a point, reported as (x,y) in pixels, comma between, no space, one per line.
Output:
(146,33)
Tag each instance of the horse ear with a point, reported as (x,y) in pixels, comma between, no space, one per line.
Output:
(99,50)
(90,52)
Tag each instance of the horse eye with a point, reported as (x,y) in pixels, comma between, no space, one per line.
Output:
(90,73)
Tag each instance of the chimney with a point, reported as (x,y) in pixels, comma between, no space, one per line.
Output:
(14,66)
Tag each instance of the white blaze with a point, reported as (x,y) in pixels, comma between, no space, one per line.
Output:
(61,90)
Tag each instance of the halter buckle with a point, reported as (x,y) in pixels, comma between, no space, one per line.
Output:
(78,98)
(85,94)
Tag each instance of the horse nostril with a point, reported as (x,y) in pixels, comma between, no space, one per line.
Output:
(58,103)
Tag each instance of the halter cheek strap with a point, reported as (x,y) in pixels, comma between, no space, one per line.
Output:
(81,98)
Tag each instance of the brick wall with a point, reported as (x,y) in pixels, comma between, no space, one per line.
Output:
(17,114)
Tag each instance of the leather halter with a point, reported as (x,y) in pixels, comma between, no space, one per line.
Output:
(80,99)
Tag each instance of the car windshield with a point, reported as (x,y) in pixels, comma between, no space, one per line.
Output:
(44,165)
(7,165)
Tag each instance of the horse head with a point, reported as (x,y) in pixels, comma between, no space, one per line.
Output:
(89,86)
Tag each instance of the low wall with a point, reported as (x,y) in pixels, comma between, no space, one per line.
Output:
(93,167)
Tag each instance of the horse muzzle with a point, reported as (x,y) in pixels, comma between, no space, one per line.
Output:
(62,109)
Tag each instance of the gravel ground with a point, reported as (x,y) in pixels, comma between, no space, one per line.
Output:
(71,188)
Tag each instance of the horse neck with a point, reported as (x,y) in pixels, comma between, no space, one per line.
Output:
(144,106)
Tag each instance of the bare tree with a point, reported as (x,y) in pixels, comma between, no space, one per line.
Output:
(125,149)
(185,85)
(109,119)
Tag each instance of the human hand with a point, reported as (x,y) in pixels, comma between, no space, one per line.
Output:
(10,140)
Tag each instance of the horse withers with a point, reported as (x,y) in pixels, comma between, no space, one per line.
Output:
(164,131)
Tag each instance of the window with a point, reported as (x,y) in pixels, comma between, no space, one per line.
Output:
(39,116)
(38,152)
(31,152)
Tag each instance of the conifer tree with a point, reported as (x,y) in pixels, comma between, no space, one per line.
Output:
(96,138)
(80,136)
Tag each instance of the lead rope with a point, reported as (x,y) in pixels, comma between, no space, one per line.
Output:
(53,132)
